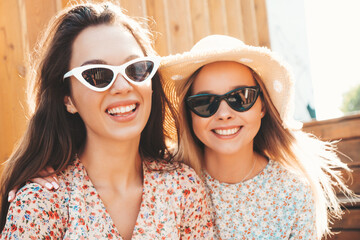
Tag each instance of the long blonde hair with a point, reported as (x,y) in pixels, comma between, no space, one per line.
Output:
(296,150)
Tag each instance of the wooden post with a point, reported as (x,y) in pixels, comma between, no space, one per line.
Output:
(249,20)
(12,72)
(218,20)
(200,19)
(38,14)
(178,25)
(156,12)
(262,23)
(234,19)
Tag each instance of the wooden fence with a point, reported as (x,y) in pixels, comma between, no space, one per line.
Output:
(179,24)
(346,129)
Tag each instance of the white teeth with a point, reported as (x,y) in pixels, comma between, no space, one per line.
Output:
(226,132)
(122,109)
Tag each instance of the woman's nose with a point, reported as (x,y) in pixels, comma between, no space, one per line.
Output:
(121,85)
(224,111)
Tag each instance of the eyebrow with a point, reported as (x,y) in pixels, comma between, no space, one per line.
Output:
(94,61)
(99,61)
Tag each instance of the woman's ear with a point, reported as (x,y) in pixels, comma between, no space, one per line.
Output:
(70,107)
(263,109)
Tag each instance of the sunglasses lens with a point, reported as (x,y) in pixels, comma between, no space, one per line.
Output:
(243,99)
(98,77)
(204,106)
(139,71)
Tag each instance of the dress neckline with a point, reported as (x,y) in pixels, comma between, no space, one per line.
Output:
(213,181)
(87,181)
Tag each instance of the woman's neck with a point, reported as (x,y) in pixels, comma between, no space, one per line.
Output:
(113,163)
(233,168)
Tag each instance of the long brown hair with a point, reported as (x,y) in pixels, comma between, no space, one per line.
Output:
(53,135)
(315,160)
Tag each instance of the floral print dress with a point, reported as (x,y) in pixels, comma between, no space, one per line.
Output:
(173,207)
(275,204)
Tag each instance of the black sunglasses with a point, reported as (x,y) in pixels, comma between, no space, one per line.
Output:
(240,99)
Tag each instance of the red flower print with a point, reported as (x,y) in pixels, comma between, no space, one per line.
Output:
(51,215)
(163,200)
(186,192)
(13,228)
(81,221)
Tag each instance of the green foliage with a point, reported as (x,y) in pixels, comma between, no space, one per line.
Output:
(351,100)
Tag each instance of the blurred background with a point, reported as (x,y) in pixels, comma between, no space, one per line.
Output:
(319,38)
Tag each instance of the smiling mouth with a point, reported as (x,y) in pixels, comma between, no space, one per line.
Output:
(122,110)
(227,132)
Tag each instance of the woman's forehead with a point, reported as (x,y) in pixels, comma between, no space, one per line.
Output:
(111,44)
(223,75)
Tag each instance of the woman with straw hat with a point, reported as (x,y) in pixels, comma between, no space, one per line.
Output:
(267,179)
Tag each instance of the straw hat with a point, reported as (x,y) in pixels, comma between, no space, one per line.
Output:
(274,72)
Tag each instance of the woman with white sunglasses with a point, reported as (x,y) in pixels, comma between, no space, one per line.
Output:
(98,121)
(266,178)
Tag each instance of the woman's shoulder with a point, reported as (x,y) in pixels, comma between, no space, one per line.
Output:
(172,173)
(36,195)
(32,192)
(169,169)
(33,195)
(71,175)
(34,201)
(35,212)
(288,179)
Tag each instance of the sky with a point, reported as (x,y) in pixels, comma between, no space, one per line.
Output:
(333,34)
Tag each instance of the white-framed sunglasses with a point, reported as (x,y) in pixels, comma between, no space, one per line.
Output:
(100,77)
